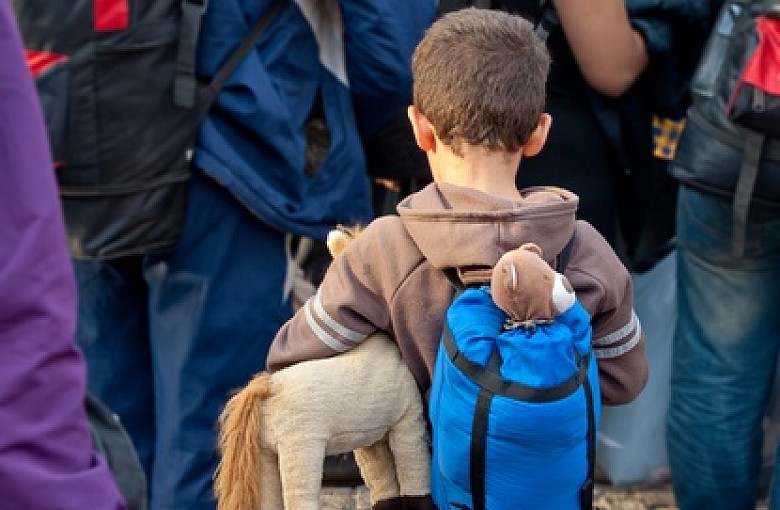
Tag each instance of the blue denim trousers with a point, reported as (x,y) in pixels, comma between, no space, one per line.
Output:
(168,338)
(724,356)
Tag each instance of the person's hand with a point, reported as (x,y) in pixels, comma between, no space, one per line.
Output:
(389,184)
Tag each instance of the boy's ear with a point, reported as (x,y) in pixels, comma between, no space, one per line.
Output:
(537,139)
(424,134)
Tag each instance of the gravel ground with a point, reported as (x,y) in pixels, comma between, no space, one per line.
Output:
(341,494)
(607,498)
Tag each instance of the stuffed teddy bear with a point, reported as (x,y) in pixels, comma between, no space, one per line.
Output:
(525,287)
(275,432)
(514,402)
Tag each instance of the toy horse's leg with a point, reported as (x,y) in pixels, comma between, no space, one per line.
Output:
(377,468)
(271,483)
(409,444)
(300,465)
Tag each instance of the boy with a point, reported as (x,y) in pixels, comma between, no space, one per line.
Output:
(479,90)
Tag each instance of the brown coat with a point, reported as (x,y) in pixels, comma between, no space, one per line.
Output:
(390,278)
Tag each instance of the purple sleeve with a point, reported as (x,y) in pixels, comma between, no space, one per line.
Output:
(46,454)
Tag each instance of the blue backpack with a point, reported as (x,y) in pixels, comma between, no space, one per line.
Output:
(513,412)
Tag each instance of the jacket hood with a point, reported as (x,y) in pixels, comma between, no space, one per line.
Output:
(461,227)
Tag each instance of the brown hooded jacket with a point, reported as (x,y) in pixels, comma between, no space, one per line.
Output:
(390,278)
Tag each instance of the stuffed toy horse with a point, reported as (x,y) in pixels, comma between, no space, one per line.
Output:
(275,432)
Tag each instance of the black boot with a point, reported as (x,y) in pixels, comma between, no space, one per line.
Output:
(390,504)
(418,503)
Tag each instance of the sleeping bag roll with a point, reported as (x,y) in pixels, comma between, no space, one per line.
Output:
(515,436)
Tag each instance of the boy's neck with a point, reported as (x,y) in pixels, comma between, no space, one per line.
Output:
(492,172)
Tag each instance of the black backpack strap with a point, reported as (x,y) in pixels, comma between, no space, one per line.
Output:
(479,435)
(490,379)
(185,84)
(586,491)
(478,448)
(452,275)
(565,254)
(751,158)
(207,95)
(111,440)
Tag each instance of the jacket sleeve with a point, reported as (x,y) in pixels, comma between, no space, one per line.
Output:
(380,36)
(349,305)
(47,458)
(675,32)
(604,288)
(663,22)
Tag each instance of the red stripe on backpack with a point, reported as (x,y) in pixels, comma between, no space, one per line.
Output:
(763,68)
(39,61)
(110,15)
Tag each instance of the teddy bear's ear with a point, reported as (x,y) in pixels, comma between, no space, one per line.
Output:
(532,247)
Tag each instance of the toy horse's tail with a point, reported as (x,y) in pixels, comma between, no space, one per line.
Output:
(237,479)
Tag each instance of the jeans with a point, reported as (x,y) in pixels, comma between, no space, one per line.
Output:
(168,338)
(725,354)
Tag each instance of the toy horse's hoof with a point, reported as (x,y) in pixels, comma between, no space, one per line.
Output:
(418,503)
(389,504)
(406,503)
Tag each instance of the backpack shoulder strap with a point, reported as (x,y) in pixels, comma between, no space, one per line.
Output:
(751,159)
(452,275)
(185,85)
(212,89)
(587,488)
(565,255)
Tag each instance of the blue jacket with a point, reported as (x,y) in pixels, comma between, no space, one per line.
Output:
(253,141)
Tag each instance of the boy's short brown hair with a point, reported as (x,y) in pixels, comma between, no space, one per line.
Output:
(479,78)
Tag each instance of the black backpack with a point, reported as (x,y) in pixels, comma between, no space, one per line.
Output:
(731,143)
(122,106)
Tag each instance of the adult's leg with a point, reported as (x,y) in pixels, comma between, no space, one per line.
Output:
(725,353)
(113,333)
(215,307)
